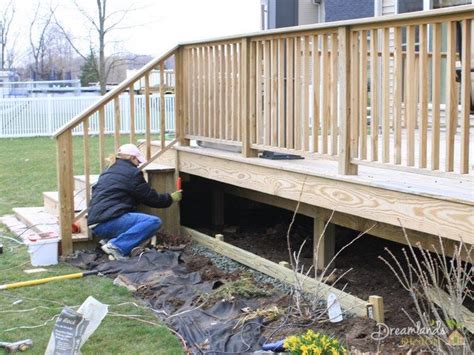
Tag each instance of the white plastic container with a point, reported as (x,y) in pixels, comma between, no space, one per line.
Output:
(43,252)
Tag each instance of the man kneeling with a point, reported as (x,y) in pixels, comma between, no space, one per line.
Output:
(115,198)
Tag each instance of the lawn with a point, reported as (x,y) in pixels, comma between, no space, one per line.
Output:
(38,305)
(28,168)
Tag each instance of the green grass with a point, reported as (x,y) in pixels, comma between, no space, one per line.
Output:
(115,335)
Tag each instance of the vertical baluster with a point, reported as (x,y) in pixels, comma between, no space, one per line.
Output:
(410,104)
(131,94)
(334,69)
(423,69)
(436,96)
(451,96)
(397,95)
(290,93)
(238,97)
(253,89)
(147,116)
(162,106)
(117,122)
(223,91)
(87,172)
(215,93)
(101,138)
(306,76)
(386,96)
(374,94)
(273,93)
(325,93)
(266,92)
(354,82)
(298,94)
(316,93)
(192,92)
(363,95)
(235,90)
(201,93)
(465,94)
(229,91)
(281,92)
(259,106)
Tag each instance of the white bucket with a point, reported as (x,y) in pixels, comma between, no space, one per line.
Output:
(43,252)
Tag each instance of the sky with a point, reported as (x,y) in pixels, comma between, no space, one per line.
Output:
(154,27)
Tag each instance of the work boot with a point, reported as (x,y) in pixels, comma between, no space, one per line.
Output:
(110,249)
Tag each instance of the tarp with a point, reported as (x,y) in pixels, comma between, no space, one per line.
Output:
(165,282)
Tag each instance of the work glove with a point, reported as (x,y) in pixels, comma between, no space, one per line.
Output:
(177,196)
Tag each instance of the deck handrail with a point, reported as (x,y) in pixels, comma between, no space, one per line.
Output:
(306,90)
(114,92)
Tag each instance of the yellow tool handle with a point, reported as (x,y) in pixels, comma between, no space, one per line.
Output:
(46,280)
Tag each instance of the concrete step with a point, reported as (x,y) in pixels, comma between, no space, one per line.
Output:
(51,202)
(42,222)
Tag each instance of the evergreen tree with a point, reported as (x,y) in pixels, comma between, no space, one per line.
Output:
(89,72)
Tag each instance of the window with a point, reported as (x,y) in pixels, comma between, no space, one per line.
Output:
(438,4)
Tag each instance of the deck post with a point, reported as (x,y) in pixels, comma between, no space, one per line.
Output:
(217,206)
(245,84)
(65,190)
(344,98)
(179,97)
(324,243)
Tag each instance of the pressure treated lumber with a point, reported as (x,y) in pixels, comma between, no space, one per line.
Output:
(349,302)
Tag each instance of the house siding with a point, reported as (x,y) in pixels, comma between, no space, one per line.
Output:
(308,13)
(337,10)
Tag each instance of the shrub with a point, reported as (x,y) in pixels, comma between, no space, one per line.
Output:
(312,343)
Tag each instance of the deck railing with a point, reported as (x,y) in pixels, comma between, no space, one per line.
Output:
(392,92)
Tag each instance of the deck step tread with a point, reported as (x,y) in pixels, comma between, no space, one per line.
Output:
(40,221)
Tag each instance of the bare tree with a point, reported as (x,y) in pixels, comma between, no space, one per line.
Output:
(39,33)
(6,19)
(102,23)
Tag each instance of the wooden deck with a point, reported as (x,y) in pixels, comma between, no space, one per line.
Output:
(426,206)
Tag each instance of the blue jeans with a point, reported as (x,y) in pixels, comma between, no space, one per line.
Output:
(128,231)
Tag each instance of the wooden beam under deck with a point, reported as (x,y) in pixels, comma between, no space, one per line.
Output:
(357,204)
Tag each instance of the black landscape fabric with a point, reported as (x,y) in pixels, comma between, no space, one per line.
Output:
(166,283)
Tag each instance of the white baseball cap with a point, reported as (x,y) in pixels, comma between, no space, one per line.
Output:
(132,149)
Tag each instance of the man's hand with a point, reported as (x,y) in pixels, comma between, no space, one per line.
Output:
(177,196)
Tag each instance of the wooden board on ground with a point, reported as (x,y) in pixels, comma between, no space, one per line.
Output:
(349,302)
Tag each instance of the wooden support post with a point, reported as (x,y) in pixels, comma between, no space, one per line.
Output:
(344,99)
(285,264)
(219,237)
(66,190)
(247,58)
(377,311)
(181,96)
(324,243)
(217,206)
(162,179)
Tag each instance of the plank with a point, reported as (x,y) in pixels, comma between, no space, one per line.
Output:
(348,302)
(222,90)
(410,116)
(374,94)
(233,113)
(451,96)
(87,165)
(192,93)
(229,92)
(214,93)
(436,96)
(397,96)
(465,94)
(424,90)
(316,93)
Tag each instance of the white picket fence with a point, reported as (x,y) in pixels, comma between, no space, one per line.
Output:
(41,116)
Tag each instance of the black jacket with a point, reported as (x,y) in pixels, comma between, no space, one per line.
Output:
(119,190)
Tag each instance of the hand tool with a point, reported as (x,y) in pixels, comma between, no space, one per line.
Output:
(21,345)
